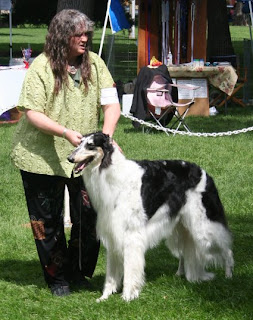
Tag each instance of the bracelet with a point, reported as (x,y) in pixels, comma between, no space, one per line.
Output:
(64,133)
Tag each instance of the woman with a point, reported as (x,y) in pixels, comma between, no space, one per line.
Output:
(61,98)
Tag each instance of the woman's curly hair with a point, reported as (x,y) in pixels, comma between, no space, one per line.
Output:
(66,24)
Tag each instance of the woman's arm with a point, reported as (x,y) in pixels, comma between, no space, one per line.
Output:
(111,117)
(48,126)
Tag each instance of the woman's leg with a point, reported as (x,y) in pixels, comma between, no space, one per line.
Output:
(44,196)
(83,244)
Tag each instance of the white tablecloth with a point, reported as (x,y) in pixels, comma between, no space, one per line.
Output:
(11,80)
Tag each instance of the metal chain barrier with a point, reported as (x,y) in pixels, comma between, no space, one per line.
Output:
(196,134)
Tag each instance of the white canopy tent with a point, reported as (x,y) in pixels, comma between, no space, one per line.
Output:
(6,5)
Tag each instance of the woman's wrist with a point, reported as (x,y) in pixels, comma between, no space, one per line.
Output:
(64,133)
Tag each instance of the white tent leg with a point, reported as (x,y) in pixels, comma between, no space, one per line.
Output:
(10,24)
(132,35)
(251,17)
(104,28)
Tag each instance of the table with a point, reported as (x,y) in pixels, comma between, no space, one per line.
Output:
(223,77)
(11,80)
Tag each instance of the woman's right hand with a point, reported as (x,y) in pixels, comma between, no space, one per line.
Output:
(49,126)
(73,137)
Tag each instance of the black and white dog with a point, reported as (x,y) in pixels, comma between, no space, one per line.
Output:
(139,203)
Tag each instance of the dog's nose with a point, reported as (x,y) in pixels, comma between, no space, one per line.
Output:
(71,158)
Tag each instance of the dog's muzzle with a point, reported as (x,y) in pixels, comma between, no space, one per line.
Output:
(71,158)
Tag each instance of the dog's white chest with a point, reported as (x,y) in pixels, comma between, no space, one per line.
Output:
(115,193)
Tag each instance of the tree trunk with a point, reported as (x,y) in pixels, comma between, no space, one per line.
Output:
(219,39)
(86,6)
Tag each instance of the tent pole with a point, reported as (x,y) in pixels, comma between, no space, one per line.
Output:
(132,35)
(10,24)
(104,28)
(251,17)
(193,8)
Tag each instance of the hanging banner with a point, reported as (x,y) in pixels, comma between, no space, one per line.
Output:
(5,4)
(117,16)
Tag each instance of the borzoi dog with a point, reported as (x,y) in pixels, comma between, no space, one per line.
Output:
(139,203)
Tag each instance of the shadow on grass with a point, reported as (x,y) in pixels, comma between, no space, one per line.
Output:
(26,273)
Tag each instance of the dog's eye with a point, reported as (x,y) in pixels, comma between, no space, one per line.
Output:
(90,146)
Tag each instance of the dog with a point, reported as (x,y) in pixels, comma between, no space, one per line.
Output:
(140,203)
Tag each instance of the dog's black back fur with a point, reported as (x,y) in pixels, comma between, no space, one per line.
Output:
(167,182)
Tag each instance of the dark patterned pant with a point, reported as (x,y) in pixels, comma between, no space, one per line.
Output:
(45,199)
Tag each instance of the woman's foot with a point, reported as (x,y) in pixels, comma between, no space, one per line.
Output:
(59,290)
(80,282)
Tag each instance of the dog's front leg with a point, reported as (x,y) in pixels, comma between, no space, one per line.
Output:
(134,263)
(114,272)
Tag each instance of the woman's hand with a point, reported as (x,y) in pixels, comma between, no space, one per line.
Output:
(116,145)
(48,126)
(73,137)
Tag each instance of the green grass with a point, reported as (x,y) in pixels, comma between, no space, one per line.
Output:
(23,293)
(35,37)
(21,38)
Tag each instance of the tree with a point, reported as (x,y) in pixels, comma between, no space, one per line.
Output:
(219,39)
(26,11)
(86,6)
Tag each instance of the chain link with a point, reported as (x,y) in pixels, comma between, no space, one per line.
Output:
(196,134)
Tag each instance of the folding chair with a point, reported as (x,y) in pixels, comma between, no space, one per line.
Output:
(160,103)
(242,79)
(222,98)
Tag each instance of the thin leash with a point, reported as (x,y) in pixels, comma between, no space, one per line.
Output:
(80,230)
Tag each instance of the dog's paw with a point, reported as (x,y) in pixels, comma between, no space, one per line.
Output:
(130,295)
(207,276)
(203,276)
(180,273)
(109,290)
(229,273)
(102,298)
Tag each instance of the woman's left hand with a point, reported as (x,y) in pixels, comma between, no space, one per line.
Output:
(116,145)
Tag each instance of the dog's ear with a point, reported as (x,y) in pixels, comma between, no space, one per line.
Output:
(101,139)
(105,142)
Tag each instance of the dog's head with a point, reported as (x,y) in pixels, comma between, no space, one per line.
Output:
(95,149)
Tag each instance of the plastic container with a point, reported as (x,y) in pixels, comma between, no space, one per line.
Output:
(169,59)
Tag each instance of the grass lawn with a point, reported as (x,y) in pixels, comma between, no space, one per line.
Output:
(23,293)
(35,37)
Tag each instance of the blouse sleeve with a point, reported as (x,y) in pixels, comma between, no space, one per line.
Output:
(105,78)
(33,94)
(108,91)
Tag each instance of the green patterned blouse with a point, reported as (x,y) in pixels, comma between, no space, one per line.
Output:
(36,152)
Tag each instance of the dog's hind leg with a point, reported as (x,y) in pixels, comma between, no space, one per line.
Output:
(134,263)
(229,264)
(226,253)
(193,260)
(114,273)
(180,271)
